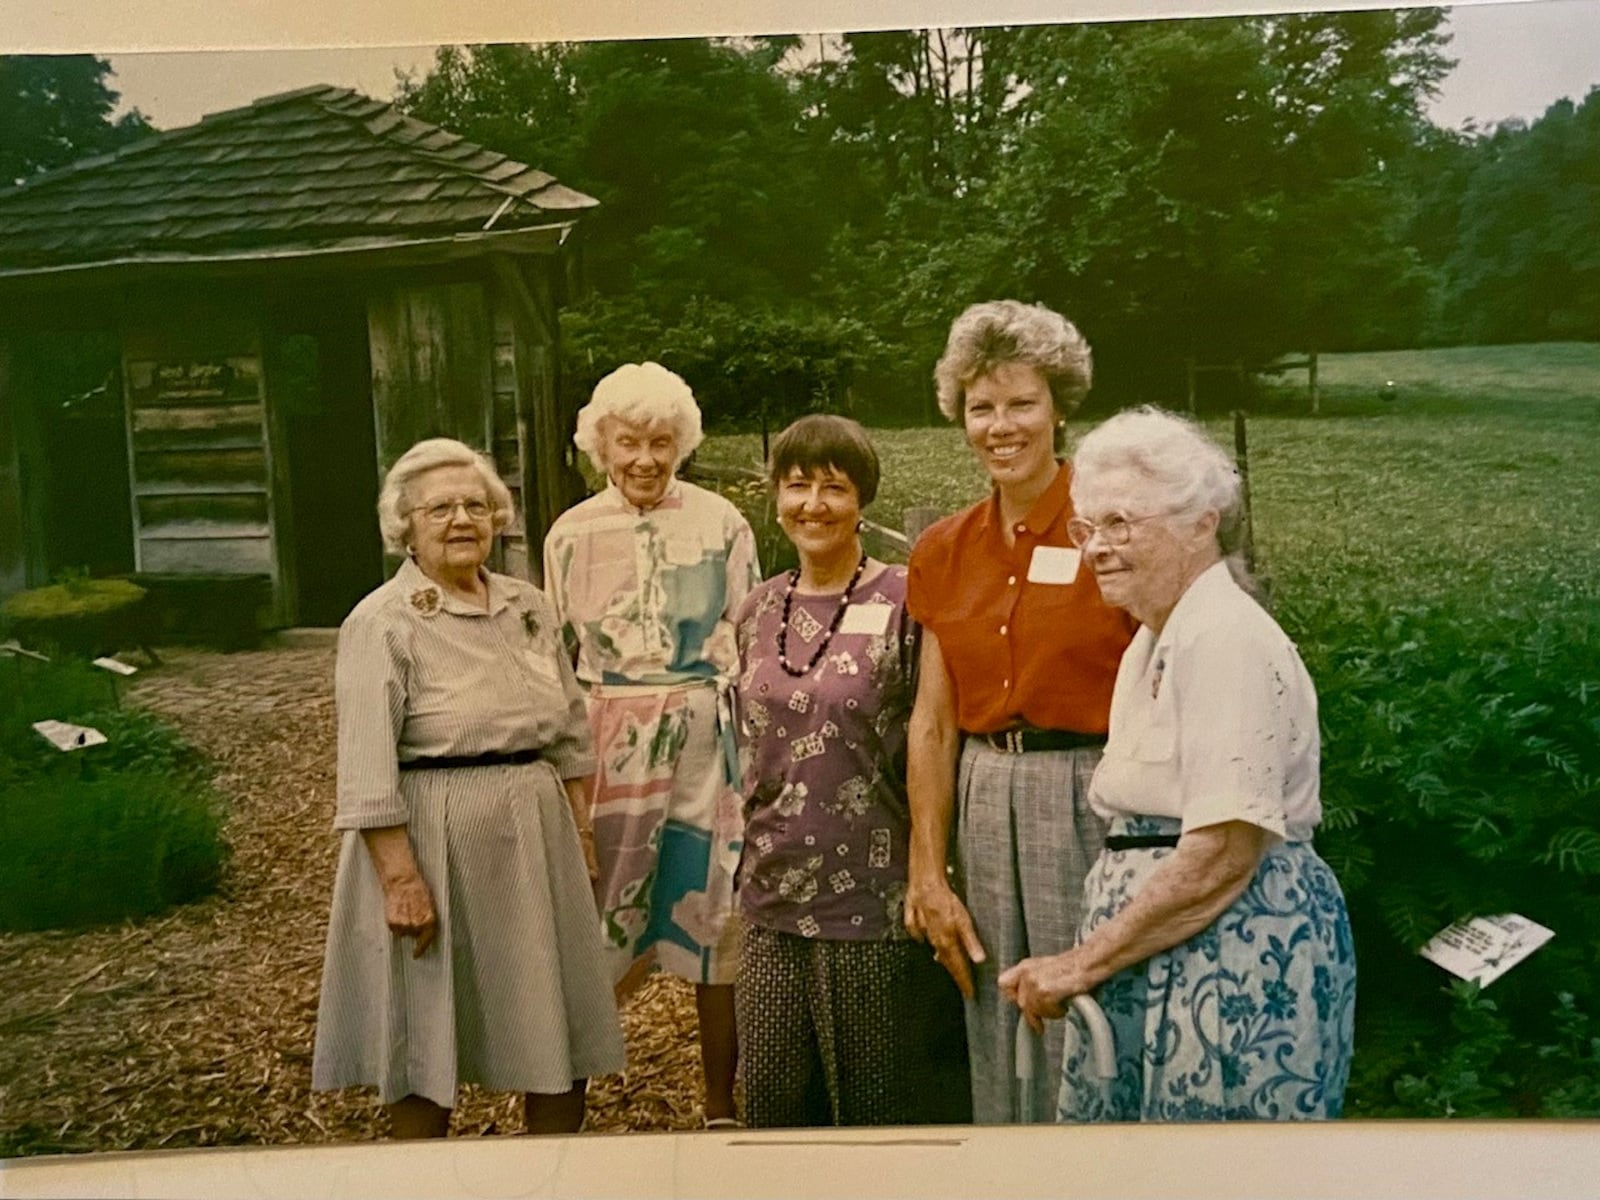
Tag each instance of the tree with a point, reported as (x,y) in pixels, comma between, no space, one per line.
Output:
(57,108)
(1526,261)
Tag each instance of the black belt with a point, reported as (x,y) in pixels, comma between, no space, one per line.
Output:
(1023,741)
(508,759)
(1141,841)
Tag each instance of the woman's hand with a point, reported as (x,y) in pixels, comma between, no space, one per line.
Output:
(590,860)
(1042,987)
(935,914)
(408,907)
(407,903)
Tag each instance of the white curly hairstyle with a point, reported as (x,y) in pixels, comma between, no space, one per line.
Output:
(640,394)
(394,499)
(1183,470)
(998,332)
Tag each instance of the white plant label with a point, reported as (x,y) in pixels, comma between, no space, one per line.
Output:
(116,667)
(63,736)
(1484,948)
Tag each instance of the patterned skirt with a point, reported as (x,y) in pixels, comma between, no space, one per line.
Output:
(1250,1019)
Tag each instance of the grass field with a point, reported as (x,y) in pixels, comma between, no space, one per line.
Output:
(1479,477)
(1437,559)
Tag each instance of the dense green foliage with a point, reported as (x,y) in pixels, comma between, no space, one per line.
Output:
(1514,222)
(792,225)
(57,108)
(105,833)
(1437,560)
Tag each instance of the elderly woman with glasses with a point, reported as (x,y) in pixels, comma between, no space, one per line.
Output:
(1018,658)
(646,578)
(843,1020)
(463,775)
(1216,940)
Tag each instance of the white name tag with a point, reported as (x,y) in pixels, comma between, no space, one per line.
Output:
(1053,564)
(684,551)
(871,619)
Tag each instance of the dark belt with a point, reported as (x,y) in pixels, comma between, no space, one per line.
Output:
(445,762)
(1024,741)
(1141,841)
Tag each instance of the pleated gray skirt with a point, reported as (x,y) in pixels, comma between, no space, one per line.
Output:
(513,994)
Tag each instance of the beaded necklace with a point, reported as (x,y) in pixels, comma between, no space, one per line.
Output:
(833,626)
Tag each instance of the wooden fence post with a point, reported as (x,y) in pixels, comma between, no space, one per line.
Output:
(1311,370)
(918,519)
(1241,454)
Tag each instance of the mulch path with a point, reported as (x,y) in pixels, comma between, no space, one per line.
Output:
(194,1027)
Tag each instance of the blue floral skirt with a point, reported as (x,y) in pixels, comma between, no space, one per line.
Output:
(1250,1019)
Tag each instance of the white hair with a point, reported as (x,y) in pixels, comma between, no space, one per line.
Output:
(395,501)
(1182,469)
(639,394)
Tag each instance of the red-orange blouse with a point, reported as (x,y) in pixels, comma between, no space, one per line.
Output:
(1021,649)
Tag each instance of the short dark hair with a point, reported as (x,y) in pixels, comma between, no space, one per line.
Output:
(821,440)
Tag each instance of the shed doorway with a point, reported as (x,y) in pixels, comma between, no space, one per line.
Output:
(319,380)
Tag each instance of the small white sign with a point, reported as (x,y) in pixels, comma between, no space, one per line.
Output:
(68,737)
(12,648)
(116,667)
(1484,948)
(1053,564)
(870,619)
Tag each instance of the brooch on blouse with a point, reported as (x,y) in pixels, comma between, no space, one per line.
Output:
(530,623)
(1155,679)
(425,600)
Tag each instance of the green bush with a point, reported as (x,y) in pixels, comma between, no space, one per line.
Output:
(77,615)
(110,832)
(1461,770)
(81,849)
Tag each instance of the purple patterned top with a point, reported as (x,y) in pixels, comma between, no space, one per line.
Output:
(826,820)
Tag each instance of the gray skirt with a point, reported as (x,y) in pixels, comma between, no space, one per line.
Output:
(513,994)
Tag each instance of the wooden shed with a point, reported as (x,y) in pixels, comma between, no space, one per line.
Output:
(213,343)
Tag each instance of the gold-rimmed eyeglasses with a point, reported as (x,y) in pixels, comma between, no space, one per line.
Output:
(442,511)
(1115,530)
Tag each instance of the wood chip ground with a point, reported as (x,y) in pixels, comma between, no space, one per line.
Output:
(194,1028)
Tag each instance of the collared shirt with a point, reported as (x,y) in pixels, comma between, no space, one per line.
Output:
(1214,719)
(1025,636)
(422,674)
(648,596)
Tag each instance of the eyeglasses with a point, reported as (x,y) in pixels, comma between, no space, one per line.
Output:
(442,512)
(1115,530)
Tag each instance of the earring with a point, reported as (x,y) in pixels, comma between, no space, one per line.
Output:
(861,523)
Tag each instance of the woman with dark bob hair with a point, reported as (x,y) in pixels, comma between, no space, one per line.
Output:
(1017,663)
(842,1019)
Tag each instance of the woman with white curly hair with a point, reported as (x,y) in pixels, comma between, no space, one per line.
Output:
(463,775)
(646,578)
(1018,655)
(1215,938)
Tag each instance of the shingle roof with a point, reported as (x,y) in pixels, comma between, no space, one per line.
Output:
(317,167)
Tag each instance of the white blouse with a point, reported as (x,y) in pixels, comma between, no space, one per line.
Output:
(1214,719)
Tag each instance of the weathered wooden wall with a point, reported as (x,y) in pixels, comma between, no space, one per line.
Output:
(527,289)
(199,455)
(454,360)
(13,526)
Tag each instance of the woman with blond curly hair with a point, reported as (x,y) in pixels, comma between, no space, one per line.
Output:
(462,946)
(1018,657)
